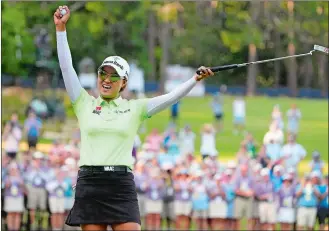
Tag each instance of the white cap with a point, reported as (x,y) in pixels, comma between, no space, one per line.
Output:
(167,165)
(315,174)
(70,161)
(278,168)
(231,164)
(265,172)
(257,167)
(38,155)
(120,65)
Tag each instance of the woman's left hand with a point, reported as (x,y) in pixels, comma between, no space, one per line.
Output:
(205,73)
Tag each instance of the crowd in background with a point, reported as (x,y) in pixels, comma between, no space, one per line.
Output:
(175,187)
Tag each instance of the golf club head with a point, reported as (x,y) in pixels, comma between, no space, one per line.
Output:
(321,48)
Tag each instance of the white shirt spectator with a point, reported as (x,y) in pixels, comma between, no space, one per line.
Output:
(187,140)
(12,139)
(274,134)
(208,144)
(293,153)
(239,108)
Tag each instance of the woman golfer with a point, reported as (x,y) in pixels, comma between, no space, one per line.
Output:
(105,191)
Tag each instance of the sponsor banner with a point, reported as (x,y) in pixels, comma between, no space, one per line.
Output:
(177,74)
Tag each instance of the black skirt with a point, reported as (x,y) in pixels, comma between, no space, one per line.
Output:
(104,198)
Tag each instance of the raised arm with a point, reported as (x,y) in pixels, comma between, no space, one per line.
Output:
(71,81)
(159,103)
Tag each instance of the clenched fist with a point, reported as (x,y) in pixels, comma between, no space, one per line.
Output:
(204,73)
(59,19)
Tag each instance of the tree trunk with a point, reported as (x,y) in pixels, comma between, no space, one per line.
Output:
(323,74)
(308,70)
(151,45)
(292,71)
(292,64)
(252,70)
(164,41)
(277,65)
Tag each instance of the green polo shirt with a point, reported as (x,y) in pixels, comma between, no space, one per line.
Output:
(108,129)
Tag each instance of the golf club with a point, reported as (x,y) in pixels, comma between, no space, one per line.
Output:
(233,66)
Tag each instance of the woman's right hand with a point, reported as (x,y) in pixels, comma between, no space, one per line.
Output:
(59,19)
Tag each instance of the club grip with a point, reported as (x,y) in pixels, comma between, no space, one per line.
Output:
(221,68)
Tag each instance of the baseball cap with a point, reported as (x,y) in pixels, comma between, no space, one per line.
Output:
(38,155)
(278,168)
(120,65)
(315,154)
(315,174)
(286,177)
(265,172)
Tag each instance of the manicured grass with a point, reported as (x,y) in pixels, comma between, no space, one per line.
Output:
(196,111)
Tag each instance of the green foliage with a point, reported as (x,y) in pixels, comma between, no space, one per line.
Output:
(203,33)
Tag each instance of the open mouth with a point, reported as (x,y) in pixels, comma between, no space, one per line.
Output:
(107,87)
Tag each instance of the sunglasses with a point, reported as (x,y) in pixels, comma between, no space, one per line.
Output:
(114,77)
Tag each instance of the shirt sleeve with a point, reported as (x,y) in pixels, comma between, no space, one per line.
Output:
(159,103)
(71,81)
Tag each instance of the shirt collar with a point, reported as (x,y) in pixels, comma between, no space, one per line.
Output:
(102,102)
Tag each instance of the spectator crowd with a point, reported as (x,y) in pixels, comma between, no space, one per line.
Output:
(260,186)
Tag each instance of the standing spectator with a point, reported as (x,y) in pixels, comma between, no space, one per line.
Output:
(239,114)
(316,163)
(174,114)
(257,179)
(273,150)
(14,197)
(12,136)
(244,196)
(228,185)
(276,173)
(168,214)
(32,127)
(264,193)
(200,201)
(182,203)
(294,116)
(56,198)
(251,145)
(285,197)
(36,180)
(208,141)
(217,205)
(187,141)
(155,140)
(323,208)
(154,199)
(277,116)
(293,153)
(307,194)
(140,177)
(275,133)
(242,155)
(218,110)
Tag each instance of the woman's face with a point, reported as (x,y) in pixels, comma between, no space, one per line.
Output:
(109,83)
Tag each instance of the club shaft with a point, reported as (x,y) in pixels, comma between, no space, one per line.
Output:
(275,59)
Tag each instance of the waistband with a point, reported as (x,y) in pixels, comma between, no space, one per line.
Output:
(109,168)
